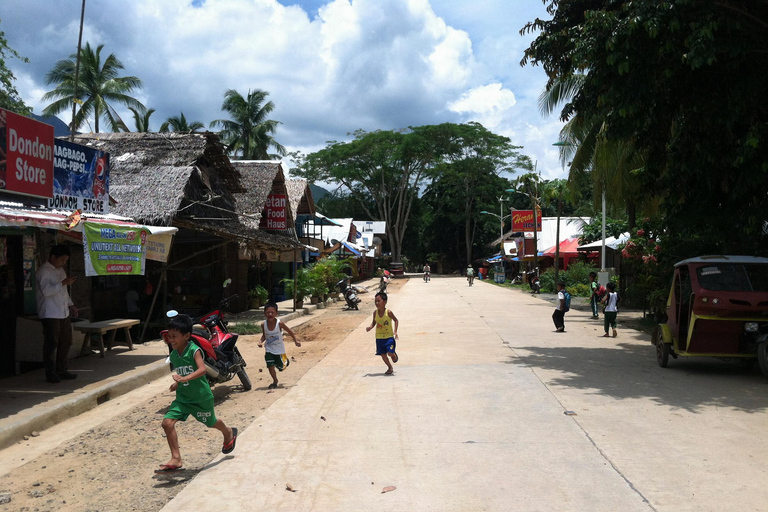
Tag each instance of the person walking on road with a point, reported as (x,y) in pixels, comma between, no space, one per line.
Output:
(54,308)
(193,393)
(594,298)
(559,315)
(272,334)
(386,324)
(611,301)
(470,274)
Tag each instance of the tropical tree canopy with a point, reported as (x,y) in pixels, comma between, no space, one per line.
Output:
(9,96)
(99,87)
(680,85)
(141,119)
(249,133)
(180,124)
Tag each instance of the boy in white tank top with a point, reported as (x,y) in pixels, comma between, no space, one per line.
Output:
(272,333)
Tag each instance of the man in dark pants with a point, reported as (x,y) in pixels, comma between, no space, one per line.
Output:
(559,315)
(54,307)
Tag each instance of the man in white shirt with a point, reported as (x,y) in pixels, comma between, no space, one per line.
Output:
(54,307)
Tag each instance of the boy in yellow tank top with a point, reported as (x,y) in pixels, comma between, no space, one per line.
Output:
(386,331)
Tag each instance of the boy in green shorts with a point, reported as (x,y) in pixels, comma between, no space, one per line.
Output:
(193,394)
(272,334)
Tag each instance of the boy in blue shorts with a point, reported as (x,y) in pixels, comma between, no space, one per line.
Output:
(193,394)
(272,334)
(386,334)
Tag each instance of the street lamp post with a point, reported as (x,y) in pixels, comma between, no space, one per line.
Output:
(535,206)
(501,218)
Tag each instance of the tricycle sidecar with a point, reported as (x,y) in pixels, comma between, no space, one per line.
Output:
(717,307)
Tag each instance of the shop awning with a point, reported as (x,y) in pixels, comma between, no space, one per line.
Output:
(351,249)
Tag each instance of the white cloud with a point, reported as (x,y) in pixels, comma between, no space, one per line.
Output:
(371,64)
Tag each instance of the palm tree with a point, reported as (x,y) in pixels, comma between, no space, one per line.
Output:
(249,133)
(141,118)
(99,85)
(180,124)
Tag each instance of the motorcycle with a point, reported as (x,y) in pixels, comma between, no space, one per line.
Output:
(349,293)
(533,281)
(384,281)
(221,357)
(426,276)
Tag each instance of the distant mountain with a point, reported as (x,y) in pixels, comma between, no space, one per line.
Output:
(60,128)
(317,192)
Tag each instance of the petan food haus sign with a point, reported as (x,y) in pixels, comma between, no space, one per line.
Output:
(26,159)
(81,178)
(274,215)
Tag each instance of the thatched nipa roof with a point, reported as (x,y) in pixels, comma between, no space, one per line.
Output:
(260,178)
(154,176)
(300,197)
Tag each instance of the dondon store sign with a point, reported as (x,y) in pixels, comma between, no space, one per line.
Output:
(114,250)
(27,155)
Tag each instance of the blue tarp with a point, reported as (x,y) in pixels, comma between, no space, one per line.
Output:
(495,258)
(351,249)
(541,254)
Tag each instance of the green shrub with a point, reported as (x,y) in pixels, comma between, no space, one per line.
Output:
(579,290)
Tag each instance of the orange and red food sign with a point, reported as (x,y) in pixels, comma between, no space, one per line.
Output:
(522,220)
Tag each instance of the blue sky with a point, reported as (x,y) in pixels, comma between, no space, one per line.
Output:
(331,67)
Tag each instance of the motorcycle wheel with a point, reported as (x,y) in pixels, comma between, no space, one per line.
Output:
(244,379)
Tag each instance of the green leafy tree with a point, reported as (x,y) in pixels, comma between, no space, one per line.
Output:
(99,87)
(681,81)
(470,156)
(249,133)
(9,96)
(388,167)
(141,119)
(180,124)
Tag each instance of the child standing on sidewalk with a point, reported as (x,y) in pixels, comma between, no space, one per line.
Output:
(559,315)
(193,394)
(611,301)
(272,333)
(383,319)
(594,298)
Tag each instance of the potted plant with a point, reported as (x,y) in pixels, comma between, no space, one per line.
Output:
(257,296)
(303,286)
(317,284)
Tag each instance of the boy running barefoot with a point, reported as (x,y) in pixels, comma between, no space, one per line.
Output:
(272,333)
(193,394)
(383,319)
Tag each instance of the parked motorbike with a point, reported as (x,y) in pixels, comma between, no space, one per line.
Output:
(221,357)
(384,281)
(533,281)
(349,293)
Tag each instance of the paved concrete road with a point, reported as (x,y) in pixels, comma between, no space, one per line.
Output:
(473,419)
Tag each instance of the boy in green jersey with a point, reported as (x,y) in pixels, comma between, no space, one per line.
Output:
(193,394)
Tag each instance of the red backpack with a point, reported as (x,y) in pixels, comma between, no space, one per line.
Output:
(601,291)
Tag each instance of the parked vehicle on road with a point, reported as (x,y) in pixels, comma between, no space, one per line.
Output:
(533,281)
(349,293)
(220,354)
(384,281)
(717,307)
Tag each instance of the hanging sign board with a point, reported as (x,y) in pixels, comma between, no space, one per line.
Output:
(274,216)
(159,247)
(522,220)
(81,178)
(26,153)
(112,250)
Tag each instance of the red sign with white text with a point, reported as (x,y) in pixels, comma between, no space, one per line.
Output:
(274,216)
(26,167)
(522,220)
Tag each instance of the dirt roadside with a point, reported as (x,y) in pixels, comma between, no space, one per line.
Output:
(110,467)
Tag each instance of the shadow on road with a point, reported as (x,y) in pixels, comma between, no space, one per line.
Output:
(629,371)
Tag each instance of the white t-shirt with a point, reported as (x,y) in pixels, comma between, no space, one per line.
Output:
(274,339)
(52,297)
(560,298)
(612,303)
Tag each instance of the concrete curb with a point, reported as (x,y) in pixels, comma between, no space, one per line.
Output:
(101,392)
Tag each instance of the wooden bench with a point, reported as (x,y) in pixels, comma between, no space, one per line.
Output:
(103,327)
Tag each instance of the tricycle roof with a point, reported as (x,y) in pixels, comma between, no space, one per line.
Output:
(720,258)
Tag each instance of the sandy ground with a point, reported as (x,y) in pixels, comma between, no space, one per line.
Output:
(110,467)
